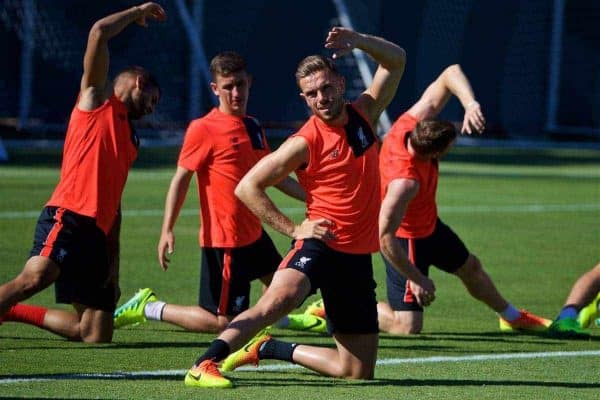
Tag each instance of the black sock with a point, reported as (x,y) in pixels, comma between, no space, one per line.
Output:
(277,350)
(217,351)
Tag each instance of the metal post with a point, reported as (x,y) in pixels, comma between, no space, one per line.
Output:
(555,61)
(196,69)
(361,62)
(198,58)
(26,63)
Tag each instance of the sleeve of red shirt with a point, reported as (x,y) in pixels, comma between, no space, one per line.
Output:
(399,163)
(196,147)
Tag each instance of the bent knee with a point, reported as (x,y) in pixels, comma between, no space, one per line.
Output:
(30,284)
(38,274)
(96,338)
(472,267)
(405,328)
(364,376)
(405,323)
(359,373)
(221,324)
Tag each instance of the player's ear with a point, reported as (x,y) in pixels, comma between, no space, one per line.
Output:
(139,82)
(214,87)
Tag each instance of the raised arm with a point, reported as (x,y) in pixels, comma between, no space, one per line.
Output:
(94,85)
(270,171)
(175,197)
(390,57)
(399,194)
(452,81)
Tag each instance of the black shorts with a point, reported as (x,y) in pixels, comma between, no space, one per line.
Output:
(78,247)
(442,249)
(226,273)
(346,283)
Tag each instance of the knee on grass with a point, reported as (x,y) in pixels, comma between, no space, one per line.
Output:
(405,328)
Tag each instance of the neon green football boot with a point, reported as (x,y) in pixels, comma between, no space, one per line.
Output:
(526,322)
(589,313)
(307,322)
(567,328)
(206,375)
(132,312)
(316,308)
(247,354)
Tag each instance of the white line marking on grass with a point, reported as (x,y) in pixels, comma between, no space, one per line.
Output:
(283,367)
(523,208)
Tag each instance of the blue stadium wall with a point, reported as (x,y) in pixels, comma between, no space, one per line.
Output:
(503,46)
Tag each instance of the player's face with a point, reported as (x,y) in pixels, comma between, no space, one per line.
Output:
(143,101)
(232,91)
(323,92)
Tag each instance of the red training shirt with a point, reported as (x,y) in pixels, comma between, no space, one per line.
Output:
(98,152)
(221,149)
(341,186)
(396,162)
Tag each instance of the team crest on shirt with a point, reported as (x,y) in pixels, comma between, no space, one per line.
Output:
(359,133)
(302,262)
(334,154)
(62,253)
(364,142)
(239,302)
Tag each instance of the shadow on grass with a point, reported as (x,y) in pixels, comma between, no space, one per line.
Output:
(285,381)
(402,342)
(500,337)
(65,345)
(379,383)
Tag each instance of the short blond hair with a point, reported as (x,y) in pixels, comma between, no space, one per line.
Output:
(312,64)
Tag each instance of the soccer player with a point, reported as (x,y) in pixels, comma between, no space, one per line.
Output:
(76,241)
(335,156)
(581,307)
(220,148)
(412,236)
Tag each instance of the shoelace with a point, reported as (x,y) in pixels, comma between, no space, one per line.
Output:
(210,368)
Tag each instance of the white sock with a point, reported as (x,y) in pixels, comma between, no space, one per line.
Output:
(510,313)
(153,310)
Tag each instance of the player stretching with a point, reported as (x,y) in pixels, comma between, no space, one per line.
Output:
(220,148)
(335,156)
(412,235)
(581,308)
(76,242)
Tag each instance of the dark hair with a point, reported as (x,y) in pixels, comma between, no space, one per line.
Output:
(226,63)
(431,136)
(312,64)
(136,70)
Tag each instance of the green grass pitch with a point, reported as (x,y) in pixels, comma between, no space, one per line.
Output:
(532,217)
